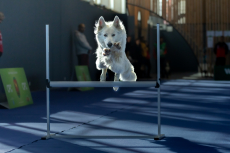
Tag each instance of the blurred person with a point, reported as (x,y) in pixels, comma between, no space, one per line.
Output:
(83,48)
(128,45)
(1,45)
(163,52)
(148,62)
(144,47)
(146,57)
(221,50)
(136,58)
(128,48)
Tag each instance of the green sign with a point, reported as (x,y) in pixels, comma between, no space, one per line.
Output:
(82,73)
(222,73)
(16,87)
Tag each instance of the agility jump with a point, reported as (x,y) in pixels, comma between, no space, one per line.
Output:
(52,84)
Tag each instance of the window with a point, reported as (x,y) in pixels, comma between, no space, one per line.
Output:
(123,6)
(172,10)
(181,7)
(111,4)
(160,7)
(139,23)
(115,5)
(151,5)
(167,9)
(139,16)
(97,1)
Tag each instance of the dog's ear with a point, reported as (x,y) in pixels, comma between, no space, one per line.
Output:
(116,22)
(101,23)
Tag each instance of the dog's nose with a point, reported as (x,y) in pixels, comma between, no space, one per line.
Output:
(109,44)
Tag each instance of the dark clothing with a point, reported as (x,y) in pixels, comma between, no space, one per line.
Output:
(220,61)
(163,53)
(162,67)
(136,55)
(128,47)
(148,65)
(163,50)
(83,59)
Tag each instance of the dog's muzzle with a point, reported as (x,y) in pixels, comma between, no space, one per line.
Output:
(109,44)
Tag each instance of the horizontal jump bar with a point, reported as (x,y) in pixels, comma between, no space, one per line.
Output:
(101,84)
(103,137)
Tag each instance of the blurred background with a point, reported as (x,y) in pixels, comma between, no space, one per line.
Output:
(195,74)
(190,29)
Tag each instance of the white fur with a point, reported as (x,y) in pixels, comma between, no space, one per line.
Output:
(116,60)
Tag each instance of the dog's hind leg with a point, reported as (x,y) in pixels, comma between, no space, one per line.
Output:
(103,74)
(116,78)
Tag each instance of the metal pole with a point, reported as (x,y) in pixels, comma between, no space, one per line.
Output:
(48,78)
(159,136)
(158,80)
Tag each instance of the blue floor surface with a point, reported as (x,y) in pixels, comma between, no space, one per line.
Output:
(195,119)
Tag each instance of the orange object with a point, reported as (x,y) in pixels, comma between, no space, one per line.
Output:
(16,86)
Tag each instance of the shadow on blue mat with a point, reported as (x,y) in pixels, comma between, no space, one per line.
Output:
(181,145)
(55,146)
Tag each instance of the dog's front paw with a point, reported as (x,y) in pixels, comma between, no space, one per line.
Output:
(117,45)
(115,88)
(106,51)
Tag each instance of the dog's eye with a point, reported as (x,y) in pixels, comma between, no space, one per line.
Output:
(113,35)
(105,35)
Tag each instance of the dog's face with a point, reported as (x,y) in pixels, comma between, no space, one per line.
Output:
(109,33)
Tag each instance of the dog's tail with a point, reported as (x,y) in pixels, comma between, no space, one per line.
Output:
(128,75)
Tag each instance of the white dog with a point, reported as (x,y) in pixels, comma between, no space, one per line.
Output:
(111,40)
